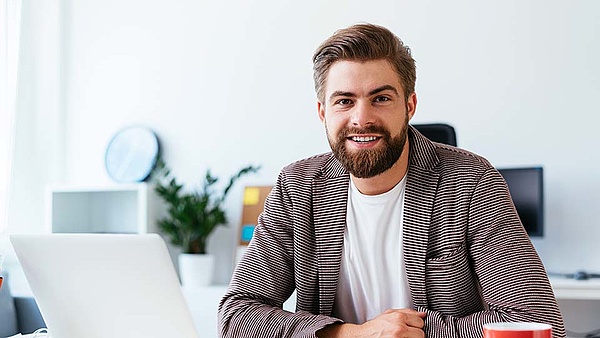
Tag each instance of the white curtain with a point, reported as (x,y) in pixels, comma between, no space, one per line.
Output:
(10,24)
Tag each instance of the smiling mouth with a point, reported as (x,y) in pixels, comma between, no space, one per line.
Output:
(363,139)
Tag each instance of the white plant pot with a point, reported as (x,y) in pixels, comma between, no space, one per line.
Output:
(196,270)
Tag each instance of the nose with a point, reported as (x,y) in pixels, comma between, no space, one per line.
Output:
(362,115)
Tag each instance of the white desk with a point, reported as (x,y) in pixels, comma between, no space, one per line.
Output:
(565,288)
(204,303)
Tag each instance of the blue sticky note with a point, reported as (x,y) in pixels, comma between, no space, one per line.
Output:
(247,232)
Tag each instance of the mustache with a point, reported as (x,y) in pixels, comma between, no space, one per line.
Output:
(372,129)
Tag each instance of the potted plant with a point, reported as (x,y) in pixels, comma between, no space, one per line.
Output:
(192,218)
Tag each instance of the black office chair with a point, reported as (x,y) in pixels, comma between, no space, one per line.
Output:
(438,132)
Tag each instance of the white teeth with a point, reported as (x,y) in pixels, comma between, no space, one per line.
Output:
(363,139)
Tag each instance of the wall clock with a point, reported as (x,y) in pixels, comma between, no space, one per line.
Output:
(131,154)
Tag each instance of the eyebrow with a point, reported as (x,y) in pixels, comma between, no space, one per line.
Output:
(384,88)
(341,93)
(372,92)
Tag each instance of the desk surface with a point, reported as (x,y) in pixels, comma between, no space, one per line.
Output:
(204,303)
(566,288)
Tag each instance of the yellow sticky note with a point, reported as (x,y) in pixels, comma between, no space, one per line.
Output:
(251,196)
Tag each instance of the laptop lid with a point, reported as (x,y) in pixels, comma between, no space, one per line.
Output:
(104,285)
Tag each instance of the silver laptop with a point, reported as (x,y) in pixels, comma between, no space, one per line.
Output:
(104,285)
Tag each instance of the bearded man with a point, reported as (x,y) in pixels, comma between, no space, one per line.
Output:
(390,234)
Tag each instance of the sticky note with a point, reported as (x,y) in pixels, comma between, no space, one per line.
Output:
(251,196)
(247,232)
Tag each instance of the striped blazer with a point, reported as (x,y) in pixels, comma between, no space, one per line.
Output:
(468,259)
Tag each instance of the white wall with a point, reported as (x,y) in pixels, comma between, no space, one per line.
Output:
(229,83)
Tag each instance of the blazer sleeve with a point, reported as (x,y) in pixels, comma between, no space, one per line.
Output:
(513,283)
(264,279)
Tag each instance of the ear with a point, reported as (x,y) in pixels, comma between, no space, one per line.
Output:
(321,109)
(411,105)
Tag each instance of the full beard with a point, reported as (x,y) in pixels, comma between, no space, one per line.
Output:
(366,163)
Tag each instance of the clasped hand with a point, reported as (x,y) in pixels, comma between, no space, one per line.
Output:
(405,323)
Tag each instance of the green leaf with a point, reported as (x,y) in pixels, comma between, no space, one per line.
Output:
(192,216)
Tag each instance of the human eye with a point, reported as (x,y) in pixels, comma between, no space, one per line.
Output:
(343,102)
(381,98)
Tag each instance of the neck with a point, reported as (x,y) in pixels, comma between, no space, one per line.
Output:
(387,180)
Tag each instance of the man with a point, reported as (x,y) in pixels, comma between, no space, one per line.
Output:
(390,235)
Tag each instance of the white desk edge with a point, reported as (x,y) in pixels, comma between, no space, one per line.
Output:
(565,288)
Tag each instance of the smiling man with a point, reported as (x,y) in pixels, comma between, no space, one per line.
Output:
(390,234)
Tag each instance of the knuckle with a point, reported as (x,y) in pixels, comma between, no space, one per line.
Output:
(401,328)
(400,316)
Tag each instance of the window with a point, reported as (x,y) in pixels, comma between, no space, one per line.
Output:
(10,17)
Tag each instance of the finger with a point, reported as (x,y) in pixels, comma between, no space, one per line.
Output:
(421,314)
(413,318)
(415,321)
(407,316)
(408,311)
(415,332)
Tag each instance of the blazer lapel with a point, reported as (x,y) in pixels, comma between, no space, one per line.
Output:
(330,198)
(421,188)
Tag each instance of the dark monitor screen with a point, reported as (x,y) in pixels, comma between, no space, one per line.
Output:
(526,186)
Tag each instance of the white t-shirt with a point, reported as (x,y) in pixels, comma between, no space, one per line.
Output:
(372,275)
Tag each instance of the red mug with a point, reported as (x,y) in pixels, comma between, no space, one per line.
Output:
(517,330)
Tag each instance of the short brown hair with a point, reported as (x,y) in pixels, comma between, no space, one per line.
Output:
(364,42)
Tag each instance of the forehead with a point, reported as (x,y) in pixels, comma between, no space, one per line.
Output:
(361,76)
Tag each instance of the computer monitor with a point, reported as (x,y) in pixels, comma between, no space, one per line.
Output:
(526,186)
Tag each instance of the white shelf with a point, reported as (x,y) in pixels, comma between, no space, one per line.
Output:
(109,209)
(566,288)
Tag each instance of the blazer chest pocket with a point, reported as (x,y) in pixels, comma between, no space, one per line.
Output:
(455,258)
(450,283)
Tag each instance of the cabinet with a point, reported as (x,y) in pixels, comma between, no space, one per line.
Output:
(124,208)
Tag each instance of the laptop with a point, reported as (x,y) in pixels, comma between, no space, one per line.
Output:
(104,285)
